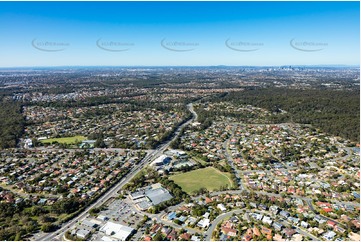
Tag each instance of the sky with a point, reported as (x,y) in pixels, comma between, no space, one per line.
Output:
(179,33)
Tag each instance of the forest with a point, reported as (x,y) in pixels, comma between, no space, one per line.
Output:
(336,112)
(12,123)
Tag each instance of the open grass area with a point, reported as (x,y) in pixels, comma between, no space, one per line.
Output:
(65,140)
(209,178)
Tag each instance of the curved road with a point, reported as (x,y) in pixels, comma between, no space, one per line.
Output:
(58,235)
(208,234)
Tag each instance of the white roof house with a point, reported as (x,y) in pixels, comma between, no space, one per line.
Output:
(304,224)
(204,223)
(329,235)
(267,220)
(257,216)
(221,207)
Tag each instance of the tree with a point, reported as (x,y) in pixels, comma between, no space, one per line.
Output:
(12,123)
(31,226)
(46,219)
(99,143)
(47,227)
(94,211)
(158,236)
(69,205)
(36,210)
(18,236)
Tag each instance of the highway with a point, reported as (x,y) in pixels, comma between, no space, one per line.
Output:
(112,192)
(151,155)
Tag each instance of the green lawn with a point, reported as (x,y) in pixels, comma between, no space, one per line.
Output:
(209,178)
(64,140)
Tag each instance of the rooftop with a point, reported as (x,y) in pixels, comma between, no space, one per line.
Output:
(117,231)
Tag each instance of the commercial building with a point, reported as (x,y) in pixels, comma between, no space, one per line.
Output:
(149,196)
(116,231)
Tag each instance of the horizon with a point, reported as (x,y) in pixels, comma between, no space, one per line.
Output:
(179,66)
(51,34)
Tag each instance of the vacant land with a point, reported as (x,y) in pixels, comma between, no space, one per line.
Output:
(209,178)
(65,140)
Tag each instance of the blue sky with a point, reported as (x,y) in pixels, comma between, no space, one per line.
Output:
(179,33)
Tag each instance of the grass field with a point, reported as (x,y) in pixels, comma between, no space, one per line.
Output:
(64,140)
(209,178)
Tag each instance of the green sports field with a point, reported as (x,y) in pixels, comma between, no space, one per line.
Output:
(64,140)
(209,177)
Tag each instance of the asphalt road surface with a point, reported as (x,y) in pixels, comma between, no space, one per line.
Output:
(58,235)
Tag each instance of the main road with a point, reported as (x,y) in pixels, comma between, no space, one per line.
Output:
(112,192)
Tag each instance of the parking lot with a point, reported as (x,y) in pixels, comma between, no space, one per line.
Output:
(120,211)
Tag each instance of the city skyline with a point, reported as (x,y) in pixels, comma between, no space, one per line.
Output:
(179,33)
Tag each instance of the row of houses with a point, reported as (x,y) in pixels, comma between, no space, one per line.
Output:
(51,173)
